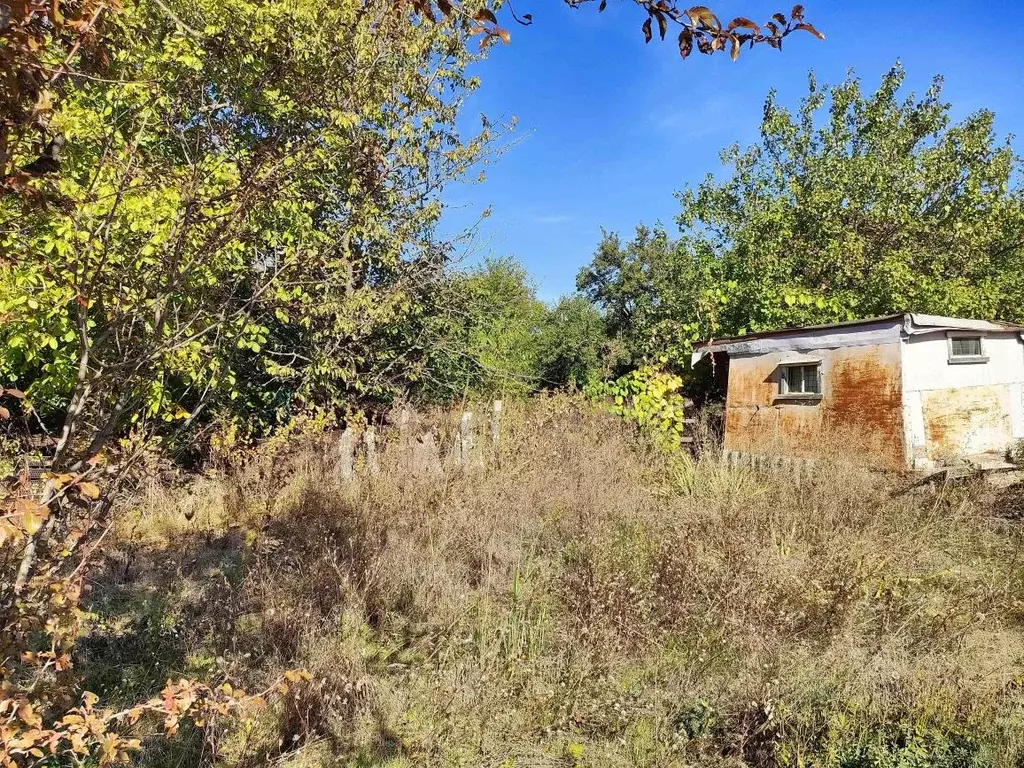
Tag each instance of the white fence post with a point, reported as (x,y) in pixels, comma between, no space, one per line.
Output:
(465,437)
(496,431)
(346,451)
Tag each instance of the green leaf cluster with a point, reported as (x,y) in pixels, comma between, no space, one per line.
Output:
(245,218)
(490,336)
(650,398)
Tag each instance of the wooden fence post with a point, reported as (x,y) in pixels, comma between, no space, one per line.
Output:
(370,439)
(346,451)
(465,437)
(496,429)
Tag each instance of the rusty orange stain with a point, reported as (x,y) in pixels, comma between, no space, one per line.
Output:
(862,396)
(864,393)
(969,420)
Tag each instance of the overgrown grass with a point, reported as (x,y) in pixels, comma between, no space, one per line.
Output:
(588,603)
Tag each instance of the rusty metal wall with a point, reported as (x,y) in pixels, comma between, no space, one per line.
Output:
(860,410)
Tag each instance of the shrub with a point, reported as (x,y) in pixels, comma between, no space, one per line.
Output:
(649,398)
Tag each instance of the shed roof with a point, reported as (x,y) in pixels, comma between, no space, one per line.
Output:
(863,331)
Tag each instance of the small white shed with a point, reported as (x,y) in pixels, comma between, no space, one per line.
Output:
(912,390)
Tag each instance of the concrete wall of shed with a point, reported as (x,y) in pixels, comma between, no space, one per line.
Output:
(861,408)
(959,410)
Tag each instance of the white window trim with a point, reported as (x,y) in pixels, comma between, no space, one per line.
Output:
(965,359)
(785,394)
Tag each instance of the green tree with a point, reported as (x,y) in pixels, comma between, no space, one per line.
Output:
(572,345)
(246,213)
(482,338)
(655,295)
(244,219)
(854,205)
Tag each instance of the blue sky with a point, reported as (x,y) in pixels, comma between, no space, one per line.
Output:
(609,128)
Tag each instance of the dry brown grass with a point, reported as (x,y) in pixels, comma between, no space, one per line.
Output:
(589,603)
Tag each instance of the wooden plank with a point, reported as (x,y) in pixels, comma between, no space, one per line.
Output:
(946,474)
(496,425)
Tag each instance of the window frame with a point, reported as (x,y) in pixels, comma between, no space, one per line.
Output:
(966,359)
(784,391)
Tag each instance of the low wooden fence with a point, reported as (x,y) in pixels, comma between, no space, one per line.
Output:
(426,448)
(467,441)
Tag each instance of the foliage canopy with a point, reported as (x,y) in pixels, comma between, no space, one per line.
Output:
(245,214)
(242,226)
(855,204)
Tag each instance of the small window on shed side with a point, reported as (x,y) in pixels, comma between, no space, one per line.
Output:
(966,349)
(800,380)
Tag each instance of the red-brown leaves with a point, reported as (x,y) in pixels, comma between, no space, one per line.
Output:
(27,29)
(745,23)
(481,21)
(686,42)
(662,23)
(87,732)
(812,30)
(485,14)
(700,25)
(701,17)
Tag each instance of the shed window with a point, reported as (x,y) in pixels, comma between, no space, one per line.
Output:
(801,380)
(966,349)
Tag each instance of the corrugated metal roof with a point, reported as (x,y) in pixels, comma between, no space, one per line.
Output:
(912,323)
(930,322)
(799,329)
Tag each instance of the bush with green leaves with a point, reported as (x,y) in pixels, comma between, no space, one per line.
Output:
(651,399)
(244,215)
(241,224)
